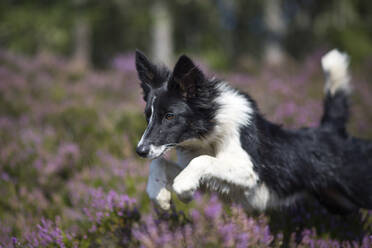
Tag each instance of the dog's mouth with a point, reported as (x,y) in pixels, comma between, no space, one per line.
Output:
(156,152)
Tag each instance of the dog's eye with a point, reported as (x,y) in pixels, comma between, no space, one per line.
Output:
(169,116)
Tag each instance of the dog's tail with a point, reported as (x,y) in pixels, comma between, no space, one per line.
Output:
(337,90)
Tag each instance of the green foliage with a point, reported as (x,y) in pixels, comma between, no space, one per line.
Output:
(221,31)
(356,41)
(28,28)
(133,121)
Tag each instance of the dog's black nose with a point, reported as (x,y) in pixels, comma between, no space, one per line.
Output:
(143,151)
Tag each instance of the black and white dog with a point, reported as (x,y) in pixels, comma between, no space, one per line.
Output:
(225,144)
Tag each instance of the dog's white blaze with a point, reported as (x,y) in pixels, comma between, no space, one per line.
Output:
(150,122)
(155,151)
(335,66)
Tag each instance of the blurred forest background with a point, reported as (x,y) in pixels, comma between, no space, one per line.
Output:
(71,114)
(226,33)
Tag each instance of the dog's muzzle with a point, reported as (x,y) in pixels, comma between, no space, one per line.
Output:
(143,150)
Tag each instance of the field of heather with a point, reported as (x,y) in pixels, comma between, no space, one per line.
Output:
(69,176)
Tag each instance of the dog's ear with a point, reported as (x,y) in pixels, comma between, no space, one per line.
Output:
(186,77)
(146,72)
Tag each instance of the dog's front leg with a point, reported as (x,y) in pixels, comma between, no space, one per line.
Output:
(234,171)
(162,173)
(188,181)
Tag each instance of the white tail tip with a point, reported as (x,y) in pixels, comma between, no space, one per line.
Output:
(335,66)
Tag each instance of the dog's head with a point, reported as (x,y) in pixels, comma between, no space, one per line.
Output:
(178,104)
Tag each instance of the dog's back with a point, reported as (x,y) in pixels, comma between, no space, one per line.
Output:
(329,163)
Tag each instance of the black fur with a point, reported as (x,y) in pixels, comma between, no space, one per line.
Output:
(151,76)
(319,161)
(336,112)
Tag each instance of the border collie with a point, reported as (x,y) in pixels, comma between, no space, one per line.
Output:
(224,144)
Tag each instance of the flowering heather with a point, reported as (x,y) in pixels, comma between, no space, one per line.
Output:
(69,176)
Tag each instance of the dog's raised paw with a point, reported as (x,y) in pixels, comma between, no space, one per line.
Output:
(164,205)
(185,189)
(162,199)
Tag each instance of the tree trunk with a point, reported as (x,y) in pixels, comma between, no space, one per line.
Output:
(276,29)
(81,56)
(227,14)
(162,45)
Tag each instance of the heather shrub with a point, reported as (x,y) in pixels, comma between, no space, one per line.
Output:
(69,176)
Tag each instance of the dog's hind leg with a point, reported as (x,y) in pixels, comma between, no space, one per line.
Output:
(335,201)
(337,89)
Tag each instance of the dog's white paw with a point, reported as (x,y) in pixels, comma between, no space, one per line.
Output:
(185,187)
(159,195)
(163,199)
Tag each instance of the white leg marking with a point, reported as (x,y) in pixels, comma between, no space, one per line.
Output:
(185,184)
(259,198)
(206,167)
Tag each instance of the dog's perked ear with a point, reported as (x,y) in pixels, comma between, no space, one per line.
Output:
(186,77)
(146,72)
